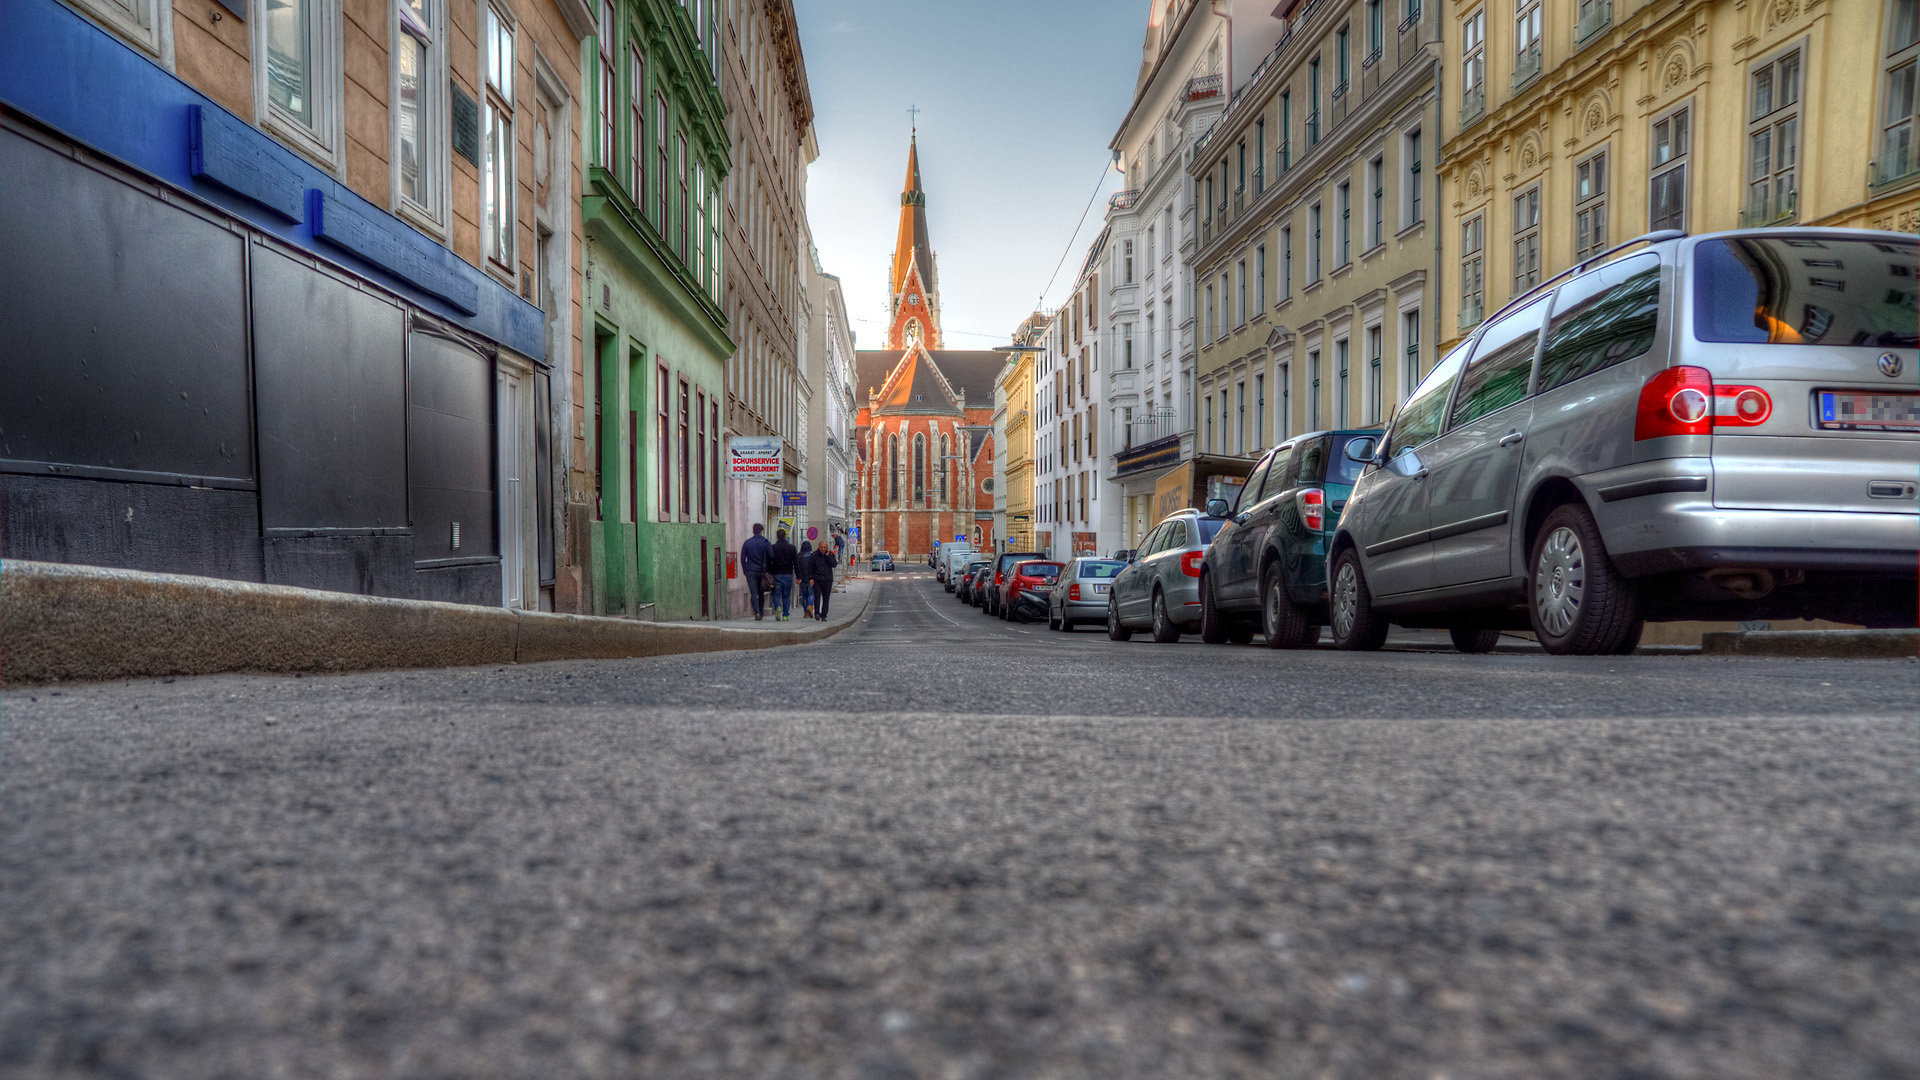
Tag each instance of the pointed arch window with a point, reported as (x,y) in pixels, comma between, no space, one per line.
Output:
(893,469)
(946,454)
(919,468)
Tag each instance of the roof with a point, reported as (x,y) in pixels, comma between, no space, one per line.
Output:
(915,385)
(911,245)
(968,372)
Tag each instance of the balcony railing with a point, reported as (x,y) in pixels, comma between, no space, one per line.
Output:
(1895,168)
(1205,86)
(1283,157)
(1526,67)
(1598,17)
(1123,200)
(1259,180)
(1239,200)
(1370,74)
(1772,208)
(1339,105)
(1313,128)
(1470,312)
(1473,105)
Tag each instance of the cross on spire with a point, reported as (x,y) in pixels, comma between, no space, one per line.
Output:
(913,117)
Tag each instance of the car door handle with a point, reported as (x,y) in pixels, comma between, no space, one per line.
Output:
(1510,438)
(1422,474)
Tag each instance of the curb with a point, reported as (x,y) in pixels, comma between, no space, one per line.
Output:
(60,622)
(1841,644)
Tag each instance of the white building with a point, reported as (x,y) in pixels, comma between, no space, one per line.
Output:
(830,412)
(1195,54)
(1074,494)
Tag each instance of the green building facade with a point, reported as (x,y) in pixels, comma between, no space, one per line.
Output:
(657,376)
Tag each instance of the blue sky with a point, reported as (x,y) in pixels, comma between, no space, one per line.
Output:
(1018,100)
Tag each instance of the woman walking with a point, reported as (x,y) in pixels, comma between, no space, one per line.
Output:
(822,566)
(803,576)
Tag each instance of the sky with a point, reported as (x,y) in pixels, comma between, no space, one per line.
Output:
(1018,100)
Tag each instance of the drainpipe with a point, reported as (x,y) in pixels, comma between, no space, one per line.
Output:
(1439,104)
(1226,70)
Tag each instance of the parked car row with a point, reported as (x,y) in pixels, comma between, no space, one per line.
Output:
(1715,427)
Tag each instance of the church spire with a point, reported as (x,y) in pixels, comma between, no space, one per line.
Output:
(916,285)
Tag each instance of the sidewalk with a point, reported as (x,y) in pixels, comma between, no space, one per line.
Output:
(850,594)
(60,622)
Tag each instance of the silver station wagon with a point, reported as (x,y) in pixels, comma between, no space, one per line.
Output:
(1714,427)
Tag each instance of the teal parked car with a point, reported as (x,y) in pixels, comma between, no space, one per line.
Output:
(1266,569)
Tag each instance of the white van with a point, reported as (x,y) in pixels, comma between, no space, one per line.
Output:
(953,555)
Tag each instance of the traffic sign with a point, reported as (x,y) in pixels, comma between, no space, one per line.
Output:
(793,498)
(813,533)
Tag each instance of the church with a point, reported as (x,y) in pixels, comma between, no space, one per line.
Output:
(924,433)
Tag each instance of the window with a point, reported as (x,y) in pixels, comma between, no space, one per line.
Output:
(713,453)
(1207,330)
(1667,199)
(1602,318)
(1126,262)
(1226,309)
(1126,344)
(1283,154)
(1345,200)
(636,134)
(1240,183)
(1473,277)
(1374,372)
(1409,352)
(1773,140)
(663,445)
(134,20)
(1590,206)
(1501,366)
(1526,239)
(893,469)
(1313,102)
(1897,161)
(700,459)
(1376,201)
(919,468)
(1313,390)
(1240,418)
(1259,411)
(1341,415)
(1259,279)
(497,145)
(1787,291)
(1223,419)
(1259,155)
(297,91)
(1285,427)
(609,105)
(1473,64)
(1286,263)
(1150,321)
(681,141)
(1526,41)
(1340,61)
(1376,31)
(1313,256)
(660,162)
(1410,154)
(1419,419)
(1240,293)
(1150,230)
(419,72)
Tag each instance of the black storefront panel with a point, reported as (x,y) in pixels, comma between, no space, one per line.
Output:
(450,448)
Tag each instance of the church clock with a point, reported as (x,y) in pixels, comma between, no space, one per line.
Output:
(913,298)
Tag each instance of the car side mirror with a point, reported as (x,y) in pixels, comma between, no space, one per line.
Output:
(1365,450)
(1218,508)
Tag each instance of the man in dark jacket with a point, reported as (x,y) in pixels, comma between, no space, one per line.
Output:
(780,563)
(753,563)
(824,560)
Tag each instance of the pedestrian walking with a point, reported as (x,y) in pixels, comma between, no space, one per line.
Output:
(803,577)
(753,563)
(780,563)
(824,560)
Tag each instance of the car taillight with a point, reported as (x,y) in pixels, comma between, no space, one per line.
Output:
(1676,401)
(1073,591)
(1190,562)
(1740,406)
(1313,508)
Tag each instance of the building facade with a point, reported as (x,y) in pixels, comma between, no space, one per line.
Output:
(1573,125)
(1082,516)
(659,341)
(1181,88)
(341,348)
(763,83)
(830,411)
(924,430)
(1314,249)
(1014,433)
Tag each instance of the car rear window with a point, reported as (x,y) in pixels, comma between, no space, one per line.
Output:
(1101,569)
(1792,290)
(1043,571)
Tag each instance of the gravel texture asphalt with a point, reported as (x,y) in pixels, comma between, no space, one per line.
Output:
(944,846)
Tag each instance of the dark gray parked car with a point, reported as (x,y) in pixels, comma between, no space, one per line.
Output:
(1714,427)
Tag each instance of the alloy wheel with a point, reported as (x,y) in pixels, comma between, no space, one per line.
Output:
(1560,580)
(1346,599)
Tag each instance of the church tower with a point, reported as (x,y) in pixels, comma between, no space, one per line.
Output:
(915,303)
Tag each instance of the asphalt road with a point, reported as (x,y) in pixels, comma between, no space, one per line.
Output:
(943,846)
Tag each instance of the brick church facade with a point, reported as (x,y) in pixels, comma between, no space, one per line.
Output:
(924,434)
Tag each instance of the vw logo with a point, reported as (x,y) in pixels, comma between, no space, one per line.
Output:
(1890,364)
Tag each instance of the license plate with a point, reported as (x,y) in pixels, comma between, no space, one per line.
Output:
(1841,410)
(1099,590)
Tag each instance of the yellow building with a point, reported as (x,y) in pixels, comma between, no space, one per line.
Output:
(1016,442)
(1573,125)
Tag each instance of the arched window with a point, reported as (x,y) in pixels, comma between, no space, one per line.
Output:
(893,469)
(944,470)
(919,467)
(913,332)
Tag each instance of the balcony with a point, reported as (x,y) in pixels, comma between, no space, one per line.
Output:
(1598,17)
(1206,86)
(1526,67)
(1370,74)
(1898,167)
(1158,452)
(1473,105)
(1770,209)
(1123,200)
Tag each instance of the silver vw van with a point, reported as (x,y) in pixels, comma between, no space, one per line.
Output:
(1714,427)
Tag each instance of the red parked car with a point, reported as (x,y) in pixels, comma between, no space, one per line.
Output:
(1027,589)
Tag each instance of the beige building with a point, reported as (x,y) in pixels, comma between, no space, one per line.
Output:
(1314,243)
(1574,125)
(1014,434)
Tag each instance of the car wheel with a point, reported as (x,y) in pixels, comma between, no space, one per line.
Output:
(1473,639)
(1165,630)
(1281,620)
(1355,624)
(1579,603)
(1632,641)
(1116,630)
(1213,628)
(1052,623)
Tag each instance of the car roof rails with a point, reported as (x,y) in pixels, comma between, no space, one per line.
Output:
(1659,236)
